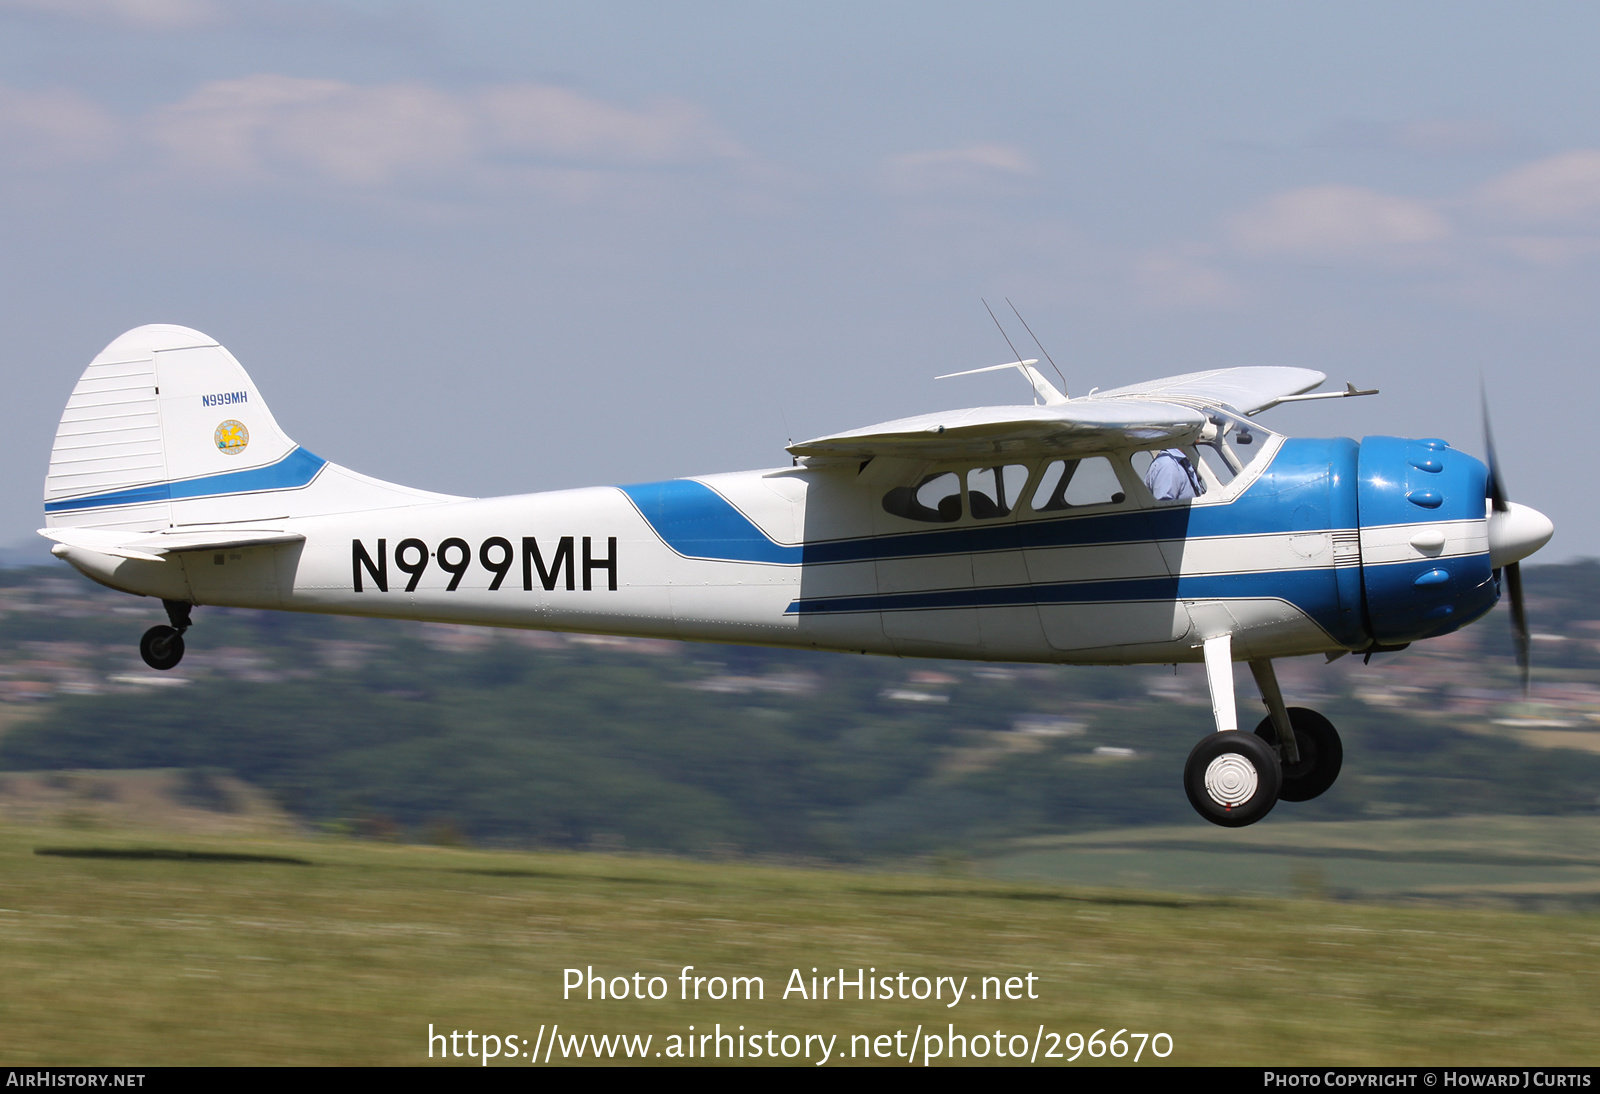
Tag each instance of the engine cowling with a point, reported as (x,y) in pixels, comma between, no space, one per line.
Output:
(1425,564)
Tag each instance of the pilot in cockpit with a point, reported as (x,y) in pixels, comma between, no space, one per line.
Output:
(1171,477)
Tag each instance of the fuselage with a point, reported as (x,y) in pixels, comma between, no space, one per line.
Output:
(1312,546)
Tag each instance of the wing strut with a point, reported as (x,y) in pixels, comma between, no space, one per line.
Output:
(1350,391)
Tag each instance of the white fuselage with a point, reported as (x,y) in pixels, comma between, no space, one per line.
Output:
(800,557)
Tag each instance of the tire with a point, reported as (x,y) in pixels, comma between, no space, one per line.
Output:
(161,647)
(1321,754)
(1232,778)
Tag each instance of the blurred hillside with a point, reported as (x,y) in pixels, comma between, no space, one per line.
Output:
(453,734)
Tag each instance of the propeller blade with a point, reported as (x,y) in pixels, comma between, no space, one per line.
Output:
(1496,485)
(1519,621)
(1523,532)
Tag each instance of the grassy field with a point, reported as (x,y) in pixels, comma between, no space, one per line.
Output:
(117,949)
(1526,863)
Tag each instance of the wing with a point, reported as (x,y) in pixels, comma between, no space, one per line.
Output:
(1166,412)
(1246,390)
(1079,426)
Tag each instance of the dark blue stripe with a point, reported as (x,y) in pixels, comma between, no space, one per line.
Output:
(295,470)
(1131,526)
(1306,589)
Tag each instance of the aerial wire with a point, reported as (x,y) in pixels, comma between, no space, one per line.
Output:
(1038,343)
(1003,333)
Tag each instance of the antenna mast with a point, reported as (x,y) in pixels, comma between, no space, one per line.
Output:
(1002,330)
(1038,343)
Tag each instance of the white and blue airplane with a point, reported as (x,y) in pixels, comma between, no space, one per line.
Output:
(1050,532)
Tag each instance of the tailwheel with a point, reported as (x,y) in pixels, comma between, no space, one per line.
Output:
(161,647)
(1232,778)
(1321,754)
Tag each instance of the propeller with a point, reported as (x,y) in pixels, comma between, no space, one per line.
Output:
(1515,532)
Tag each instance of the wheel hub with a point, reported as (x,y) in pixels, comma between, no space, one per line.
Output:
(1231,779)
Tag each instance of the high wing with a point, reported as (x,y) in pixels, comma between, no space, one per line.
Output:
(1248,390)
(1080,426)
(1172,411)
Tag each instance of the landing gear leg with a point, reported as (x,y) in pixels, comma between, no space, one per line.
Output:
(1232,778)
(162,647)
(1310,754)
(1277,716)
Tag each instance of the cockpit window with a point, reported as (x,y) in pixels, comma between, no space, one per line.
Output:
(936,499)
(1171,474)
(1245,442)
(993,491)
(1066,484)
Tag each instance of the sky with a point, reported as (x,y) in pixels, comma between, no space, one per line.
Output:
(503,247)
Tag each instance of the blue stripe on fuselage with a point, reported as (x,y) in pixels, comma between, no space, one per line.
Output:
(697,522)
(1304,588)
(295,470)
(1292,495)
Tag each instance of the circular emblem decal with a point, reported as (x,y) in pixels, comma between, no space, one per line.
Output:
(231,437)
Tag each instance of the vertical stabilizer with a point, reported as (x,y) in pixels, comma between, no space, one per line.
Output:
(166,429)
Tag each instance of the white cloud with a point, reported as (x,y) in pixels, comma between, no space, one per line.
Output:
(1543,214)
(51,128)
(362,135)
(1561,190)
(1179,278)
(155,14)
(269,125)
(1453,137)
(1335,222)
(1436,137)
(976,166)
(558,122)
(1550,250)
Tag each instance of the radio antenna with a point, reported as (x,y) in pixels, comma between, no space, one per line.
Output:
(1002,330)
(1038,343)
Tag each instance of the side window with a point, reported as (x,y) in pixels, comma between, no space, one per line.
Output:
(1217,462)
(1066,484)
(1170,473)
(992,491)
(936,499)
(1244,444)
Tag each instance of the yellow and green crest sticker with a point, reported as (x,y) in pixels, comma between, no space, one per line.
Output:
(231,437)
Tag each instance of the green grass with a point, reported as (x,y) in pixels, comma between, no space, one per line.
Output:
(144,956)
(1530,863)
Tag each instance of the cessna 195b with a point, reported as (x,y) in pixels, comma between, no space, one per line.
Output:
(1151,524)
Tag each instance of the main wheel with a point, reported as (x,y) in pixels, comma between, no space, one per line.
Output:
(161,647)
(1321,754)
(1232,778)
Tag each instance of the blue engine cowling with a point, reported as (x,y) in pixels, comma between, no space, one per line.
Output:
(1412,493)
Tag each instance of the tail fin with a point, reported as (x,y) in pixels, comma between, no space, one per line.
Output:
(165,429)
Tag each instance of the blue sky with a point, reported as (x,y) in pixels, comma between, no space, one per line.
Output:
(495,248)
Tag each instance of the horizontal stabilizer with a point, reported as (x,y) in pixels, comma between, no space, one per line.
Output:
(156,546)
